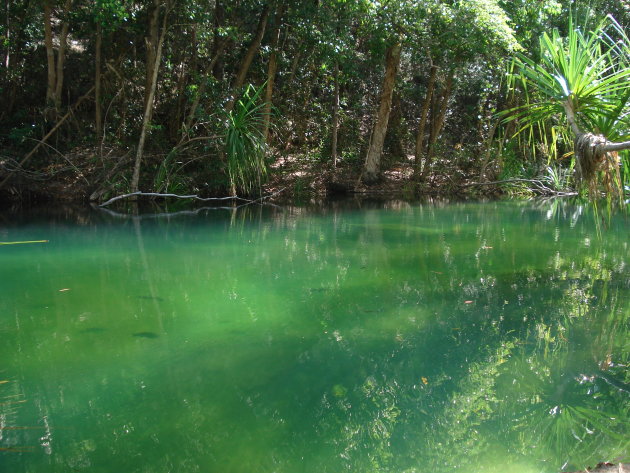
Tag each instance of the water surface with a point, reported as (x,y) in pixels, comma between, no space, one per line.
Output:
(393,338)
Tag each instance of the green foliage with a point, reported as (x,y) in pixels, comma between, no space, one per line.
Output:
(169,176)
(584,78)
(244,143)
(111,13)
(325,46)
(587,69)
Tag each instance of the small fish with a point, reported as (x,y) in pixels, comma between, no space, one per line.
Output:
(151,298)
(145,335)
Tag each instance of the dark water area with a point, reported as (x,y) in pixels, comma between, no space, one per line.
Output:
(371,337)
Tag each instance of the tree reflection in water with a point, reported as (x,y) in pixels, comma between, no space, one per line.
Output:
(464,337)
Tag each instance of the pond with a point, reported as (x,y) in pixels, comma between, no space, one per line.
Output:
(477,337)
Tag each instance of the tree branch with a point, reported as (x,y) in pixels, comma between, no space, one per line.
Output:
(611,146)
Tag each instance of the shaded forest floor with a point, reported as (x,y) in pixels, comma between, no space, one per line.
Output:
(88,174)
(303,179)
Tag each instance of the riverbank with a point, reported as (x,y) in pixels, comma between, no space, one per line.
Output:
(91,175)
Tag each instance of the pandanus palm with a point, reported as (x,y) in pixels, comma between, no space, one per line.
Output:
(586,78)
(245,144)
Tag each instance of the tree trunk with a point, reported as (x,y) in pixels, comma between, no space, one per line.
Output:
(176,117)
(592,155)
(7,57)
(151,42)
(98,114)
(219,43)
(203,86)
(17,21)
(50,58)
(424,114)
(61,54)
(303,112)
(295,62)
(335,116)
(148,109)
(488,150)
(271,71)
(438,124)
(55,67)
(373,159)
(249,56)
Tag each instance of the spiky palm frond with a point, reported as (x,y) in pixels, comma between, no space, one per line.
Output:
(588,70)
(584,78)
(245,145)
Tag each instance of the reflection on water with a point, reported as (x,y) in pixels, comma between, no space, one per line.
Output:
(393,338)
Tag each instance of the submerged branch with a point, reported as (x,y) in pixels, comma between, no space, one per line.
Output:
(193,197)
(179,213)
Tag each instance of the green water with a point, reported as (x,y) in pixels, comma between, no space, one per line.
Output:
(397,338)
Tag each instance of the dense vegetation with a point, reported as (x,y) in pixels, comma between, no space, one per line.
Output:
(102,97)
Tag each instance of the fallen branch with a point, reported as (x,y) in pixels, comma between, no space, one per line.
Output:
(193,197)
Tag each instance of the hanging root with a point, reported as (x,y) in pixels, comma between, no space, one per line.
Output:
(591,158)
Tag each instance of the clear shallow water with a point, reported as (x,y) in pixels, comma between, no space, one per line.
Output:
(477,337)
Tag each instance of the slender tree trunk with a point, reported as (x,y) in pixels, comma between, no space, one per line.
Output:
(295,62)
(151,42)
(176,117)
(438,124)
(219,43)
(249,56)
(98,114)
(18,21)
(148,109)
(373,159)
(7,57)
(303,112)
(61,54)
(55,67)
(488,150)
(50,57)
(203,86)
(271,71)
(335,116)
(424,114)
